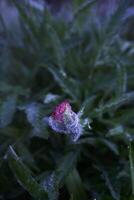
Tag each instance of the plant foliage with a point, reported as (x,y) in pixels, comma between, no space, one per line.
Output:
(89,61)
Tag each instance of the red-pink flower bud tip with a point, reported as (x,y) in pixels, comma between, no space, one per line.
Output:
(58,113)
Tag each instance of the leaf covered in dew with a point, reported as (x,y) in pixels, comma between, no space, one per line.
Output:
(24,177)
(50,185)
(7,111)
(35,117)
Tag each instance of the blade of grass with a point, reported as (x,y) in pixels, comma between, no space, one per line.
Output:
(75,186)
(121,80)
(125,99)
(23,176)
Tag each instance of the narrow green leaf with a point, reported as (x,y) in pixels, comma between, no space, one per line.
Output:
(131,198)
(31,27)
(7,111)
(131,160)
(117,130)
(121,80)
(108,181)
(63,81)
(26,156)
(75,186)
(65,166)
(23,14)
(86,105)
(57,46)
(81,9)
(23,176)
(117,18)
(112,146)
(125,99)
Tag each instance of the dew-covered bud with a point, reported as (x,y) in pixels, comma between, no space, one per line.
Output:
(64,120)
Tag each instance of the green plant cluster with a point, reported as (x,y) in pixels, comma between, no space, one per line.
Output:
(90,62)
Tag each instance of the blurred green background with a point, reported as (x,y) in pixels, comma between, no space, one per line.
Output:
(78,50)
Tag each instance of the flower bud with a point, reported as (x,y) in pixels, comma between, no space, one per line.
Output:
(64,120)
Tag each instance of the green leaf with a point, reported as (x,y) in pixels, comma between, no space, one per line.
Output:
(7,111)
(65,166)
(24,177)
(86,105)
(94,141)
(124,99)
(57,46)
(26,156)
(35,114)
(112,146)
(110,185)
(117,130)
(50,185)
(116,18)
(31,26)
(131,198)
(131,160)
(64,82)
(121,80)
(81,9)
(75,186)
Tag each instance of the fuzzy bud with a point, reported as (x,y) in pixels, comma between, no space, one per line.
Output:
(64,120)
